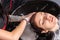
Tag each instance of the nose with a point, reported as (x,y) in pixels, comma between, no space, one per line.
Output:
(50,18)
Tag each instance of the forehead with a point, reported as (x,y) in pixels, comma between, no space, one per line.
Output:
(40,15)
(43,13)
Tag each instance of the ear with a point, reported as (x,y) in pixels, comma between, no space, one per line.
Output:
(44,31)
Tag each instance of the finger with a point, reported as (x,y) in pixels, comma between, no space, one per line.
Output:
(32,13)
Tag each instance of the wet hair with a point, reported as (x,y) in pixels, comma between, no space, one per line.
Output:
(3,17)
(39,6)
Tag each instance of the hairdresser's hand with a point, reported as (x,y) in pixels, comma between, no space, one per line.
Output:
(29,15)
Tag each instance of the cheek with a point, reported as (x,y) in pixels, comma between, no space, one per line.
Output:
(36,21)
(48,25)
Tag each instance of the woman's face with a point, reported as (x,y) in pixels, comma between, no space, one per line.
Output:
(46,21)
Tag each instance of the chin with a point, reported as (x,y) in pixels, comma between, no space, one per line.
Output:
(54,29)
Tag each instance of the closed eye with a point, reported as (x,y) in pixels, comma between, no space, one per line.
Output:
(44,18)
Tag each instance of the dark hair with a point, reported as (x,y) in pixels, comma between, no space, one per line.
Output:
(37,6)
(3,17)
(1,9)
